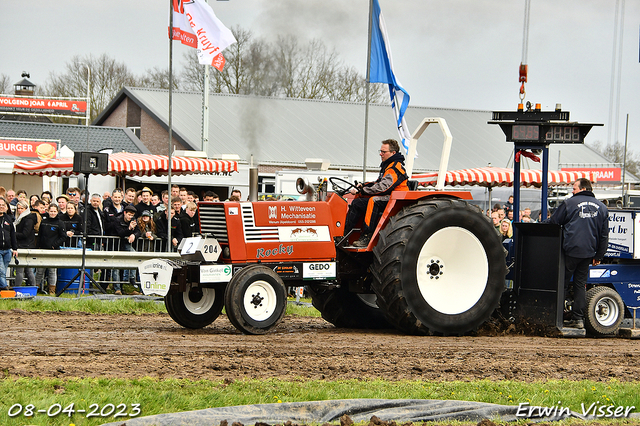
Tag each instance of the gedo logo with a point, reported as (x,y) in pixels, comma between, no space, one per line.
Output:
(319,266)
(313,271)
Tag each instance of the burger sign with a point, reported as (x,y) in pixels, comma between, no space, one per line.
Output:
(28,149)
(46,151)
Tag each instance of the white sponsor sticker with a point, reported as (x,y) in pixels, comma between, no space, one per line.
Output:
(233,211)
(318,270)
(155,277)
(598,273)
(215,273)
(304,233)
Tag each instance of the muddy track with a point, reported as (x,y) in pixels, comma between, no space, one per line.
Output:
(65,345)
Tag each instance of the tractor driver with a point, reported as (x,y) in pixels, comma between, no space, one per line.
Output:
(372,197)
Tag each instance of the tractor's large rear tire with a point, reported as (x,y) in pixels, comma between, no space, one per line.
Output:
(195,308)
(345,309)
(604,312)
(439,267)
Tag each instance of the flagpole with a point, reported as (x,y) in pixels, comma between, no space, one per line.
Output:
(366,105)
(170,121)
(205,107)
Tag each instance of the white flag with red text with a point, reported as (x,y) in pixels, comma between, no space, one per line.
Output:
(181,29)
(196,19)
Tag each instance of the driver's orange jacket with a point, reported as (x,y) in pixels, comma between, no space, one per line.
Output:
(392,178)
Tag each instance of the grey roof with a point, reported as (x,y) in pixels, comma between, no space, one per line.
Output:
(75,136)
(24,83)
(283,130)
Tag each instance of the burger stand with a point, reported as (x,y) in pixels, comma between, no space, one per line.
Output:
(24,103)
(18,149)
(37,183)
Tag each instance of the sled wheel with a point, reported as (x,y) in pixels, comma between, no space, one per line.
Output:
(344,309)
(255,300)
(439,267)
(605,311)
(195,308)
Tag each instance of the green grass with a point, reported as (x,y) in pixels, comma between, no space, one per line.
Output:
(123,305)
(69,303)
(167,396)
(304,309)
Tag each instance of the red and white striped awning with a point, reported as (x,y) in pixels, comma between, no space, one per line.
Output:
(129,164)
(497,176)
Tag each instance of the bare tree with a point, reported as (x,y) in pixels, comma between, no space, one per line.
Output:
(283,68)
(248,69)
(159,79)
(108,77)
(192,73)
(614,152)
(5,84)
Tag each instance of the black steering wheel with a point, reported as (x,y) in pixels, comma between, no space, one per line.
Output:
(340,186)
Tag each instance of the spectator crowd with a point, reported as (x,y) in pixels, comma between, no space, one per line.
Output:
(502,218)
(123,220)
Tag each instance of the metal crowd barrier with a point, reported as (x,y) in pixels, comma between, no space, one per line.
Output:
(109,243)
(103,252)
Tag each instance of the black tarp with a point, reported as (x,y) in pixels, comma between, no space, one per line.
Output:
(359,410)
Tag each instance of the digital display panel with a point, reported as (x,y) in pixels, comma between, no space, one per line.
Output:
(563,134)
(525,132)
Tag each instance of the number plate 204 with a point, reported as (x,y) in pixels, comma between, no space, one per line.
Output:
(199,248)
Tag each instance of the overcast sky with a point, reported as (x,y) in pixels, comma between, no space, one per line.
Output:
(447,53)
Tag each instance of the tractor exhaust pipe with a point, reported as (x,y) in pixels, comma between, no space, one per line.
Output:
(253,184)
(304,187)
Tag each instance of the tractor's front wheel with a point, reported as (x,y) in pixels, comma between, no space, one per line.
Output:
(255,300)
(439,267)
(195,308)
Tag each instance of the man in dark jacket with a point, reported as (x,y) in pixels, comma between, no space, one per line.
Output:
(189,220)
(51,236)
(162,226)
(111,212)
(585,222)
(96,222)
(127,229)
(373,196)
(145,204)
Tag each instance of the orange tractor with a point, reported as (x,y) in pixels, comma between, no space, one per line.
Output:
(435,264)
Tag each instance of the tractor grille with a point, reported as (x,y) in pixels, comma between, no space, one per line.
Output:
(251,231)
(212,221)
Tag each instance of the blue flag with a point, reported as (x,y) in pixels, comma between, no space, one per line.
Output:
(381,71)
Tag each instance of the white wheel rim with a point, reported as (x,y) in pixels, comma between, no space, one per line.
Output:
(606,311)
(260,300)
(202,306)
(452,270)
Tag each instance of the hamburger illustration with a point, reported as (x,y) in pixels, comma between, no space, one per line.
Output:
(45,151)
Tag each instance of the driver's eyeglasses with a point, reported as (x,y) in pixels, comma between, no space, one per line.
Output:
(71,194)
(382,152)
